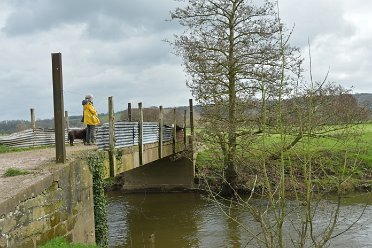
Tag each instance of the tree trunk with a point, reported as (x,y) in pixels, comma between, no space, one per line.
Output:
(230,176)
(230,173)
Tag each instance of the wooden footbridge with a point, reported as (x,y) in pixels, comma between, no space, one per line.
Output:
(148,154)
(142,150)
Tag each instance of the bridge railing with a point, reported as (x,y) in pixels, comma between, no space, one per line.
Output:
(30,138)
(127,134)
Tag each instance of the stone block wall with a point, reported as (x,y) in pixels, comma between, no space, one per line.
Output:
(58,204)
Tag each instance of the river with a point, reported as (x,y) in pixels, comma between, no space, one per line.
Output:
(177,220)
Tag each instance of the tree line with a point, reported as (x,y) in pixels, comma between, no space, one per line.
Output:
(150,114)
(363,102)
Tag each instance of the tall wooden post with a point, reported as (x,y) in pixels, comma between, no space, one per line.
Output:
(140,134)
(184,129)
(112,157)
(191,118)
(192,136)
(161,131)
(174,131)
(129,111)
(33,125)
(58,107)
(67,121)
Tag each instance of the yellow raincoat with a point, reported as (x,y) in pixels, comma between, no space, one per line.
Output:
(90,114)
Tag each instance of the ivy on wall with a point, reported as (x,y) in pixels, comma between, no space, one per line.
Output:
(96,166)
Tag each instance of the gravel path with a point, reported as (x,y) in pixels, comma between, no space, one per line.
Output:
(31,160)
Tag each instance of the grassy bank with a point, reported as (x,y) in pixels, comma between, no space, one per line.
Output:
(62,243)
(340,159)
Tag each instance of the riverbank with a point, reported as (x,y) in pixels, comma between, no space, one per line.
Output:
(326,177)
(338,162)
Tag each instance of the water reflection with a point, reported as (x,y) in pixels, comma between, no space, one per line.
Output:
(143,220)
(177,220)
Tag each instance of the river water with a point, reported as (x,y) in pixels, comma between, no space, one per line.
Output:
(177,220)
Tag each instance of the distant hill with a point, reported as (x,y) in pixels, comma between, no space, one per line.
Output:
(13,126)
(150,114)
(364,99)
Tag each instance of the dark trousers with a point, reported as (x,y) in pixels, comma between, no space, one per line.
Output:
(90,136)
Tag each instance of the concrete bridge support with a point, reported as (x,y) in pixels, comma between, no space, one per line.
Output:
(166,174)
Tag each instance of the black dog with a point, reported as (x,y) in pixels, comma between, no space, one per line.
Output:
(77,134)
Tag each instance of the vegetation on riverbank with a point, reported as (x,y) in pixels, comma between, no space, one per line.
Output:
(62,243)
(332,160)
(96,166)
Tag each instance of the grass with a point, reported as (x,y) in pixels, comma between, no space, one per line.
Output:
(6,149)
(62,243)
(12,172)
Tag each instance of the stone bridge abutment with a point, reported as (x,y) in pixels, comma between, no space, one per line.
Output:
(58,203)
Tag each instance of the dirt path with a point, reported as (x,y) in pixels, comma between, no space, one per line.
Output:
(31,160)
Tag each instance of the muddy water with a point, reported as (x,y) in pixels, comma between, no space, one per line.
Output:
(177,220)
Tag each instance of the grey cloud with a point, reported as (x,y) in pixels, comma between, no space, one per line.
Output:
(115,48)
(31,16)
(104,19)
(314,18)
(130,20)
(142,53)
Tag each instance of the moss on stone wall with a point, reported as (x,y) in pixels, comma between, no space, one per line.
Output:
(96,165)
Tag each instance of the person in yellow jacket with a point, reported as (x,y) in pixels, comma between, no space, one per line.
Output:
(90,118)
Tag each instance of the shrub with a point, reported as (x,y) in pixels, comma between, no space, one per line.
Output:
(62,243)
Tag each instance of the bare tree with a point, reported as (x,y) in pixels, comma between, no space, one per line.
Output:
(21,126)
(255,104)
(229,48)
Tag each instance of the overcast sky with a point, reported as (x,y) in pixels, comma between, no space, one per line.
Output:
(116,48)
